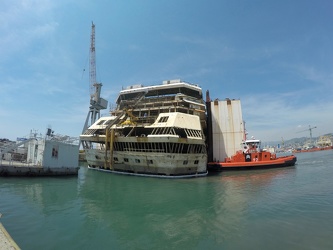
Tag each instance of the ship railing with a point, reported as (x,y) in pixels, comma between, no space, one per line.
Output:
(146,119)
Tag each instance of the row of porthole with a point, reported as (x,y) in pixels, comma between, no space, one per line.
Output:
(151,161)
(163,147)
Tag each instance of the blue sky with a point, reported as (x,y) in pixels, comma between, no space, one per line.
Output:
(275,56)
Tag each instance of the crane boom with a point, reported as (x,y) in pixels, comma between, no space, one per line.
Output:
(310,130)
(96,102)
(92,65)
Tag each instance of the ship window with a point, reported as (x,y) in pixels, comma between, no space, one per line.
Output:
(167,147)
(115,158)
(185,162)
(176,148)
(196,162)
(172,147)
(163,119)
(101,122)
(125,159)
(190,148)
(185,149)
(181,148)
(192,133)
(150,161)
(137,161)
(108,122)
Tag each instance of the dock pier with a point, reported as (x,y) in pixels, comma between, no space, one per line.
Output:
(6,241)
(11,168)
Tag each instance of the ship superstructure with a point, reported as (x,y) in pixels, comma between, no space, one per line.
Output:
(154,130)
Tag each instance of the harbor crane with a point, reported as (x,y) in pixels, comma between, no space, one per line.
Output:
(96,102)
(310,130)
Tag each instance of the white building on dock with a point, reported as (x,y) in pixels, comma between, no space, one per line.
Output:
(49,155)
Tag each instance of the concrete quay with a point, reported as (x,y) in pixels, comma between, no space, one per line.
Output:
(12,168)
(6,241)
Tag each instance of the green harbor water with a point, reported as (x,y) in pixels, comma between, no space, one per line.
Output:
(287,208)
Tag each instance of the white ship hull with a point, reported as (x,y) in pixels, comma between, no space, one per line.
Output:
(152,163)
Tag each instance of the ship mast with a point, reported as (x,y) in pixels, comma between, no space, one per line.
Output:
(96,102)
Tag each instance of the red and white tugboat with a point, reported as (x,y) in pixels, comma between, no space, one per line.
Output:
(253,157)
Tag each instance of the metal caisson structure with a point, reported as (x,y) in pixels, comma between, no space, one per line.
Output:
(226,130)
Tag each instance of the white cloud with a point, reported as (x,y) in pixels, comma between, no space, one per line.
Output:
(270,117)
(23,23)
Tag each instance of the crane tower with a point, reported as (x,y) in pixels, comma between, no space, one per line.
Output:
(309,129)
(96,102)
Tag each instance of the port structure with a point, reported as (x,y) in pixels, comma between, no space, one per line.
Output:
(96,102)
(310,130)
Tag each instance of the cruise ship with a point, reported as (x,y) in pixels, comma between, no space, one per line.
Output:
(154,130)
